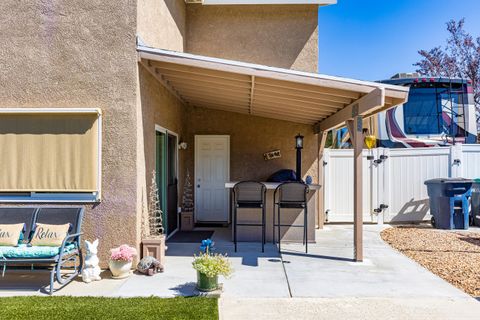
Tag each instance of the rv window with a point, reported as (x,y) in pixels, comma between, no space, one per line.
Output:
(422,113)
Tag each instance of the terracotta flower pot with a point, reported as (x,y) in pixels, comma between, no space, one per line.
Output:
(120,269)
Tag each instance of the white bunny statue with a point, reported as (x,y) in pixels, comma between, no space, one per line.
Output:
(91,270)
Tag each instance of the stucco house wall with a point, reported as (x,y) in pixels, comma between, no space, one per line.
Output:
(274,35)
(162,23)
(250,138)
(81,54)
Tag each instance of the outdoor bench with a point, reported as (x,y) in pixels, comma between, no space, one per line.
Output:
(67,256)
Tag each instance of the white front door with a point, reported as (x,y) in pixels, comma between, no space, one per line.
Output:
(212,170)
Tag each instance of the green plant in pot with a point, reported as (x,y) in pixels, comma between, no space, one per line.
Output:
(209,266)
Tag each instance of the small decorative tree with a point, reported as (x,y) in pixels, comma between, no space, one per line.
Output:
(155,213)
(187,198)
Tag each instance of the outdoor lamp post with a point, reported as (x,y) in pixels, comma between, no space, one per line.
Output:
(299,147)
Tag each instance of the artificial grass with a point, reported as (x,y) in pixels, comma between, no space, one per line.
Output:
(52,308)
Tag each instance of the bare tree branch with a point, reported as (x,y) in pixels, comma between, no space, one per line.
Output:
(459,58)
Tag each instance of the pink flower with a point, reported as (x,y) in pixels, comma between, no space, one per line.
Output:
(123,253)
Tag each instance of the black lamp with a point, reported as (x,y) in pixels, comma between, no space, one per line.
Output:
(299,147)
(299,141)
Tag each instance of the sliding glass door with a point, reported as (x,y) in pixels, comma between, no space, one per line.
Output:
(166,169)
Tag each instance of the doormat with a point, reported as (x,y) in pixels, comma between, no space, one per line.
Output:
(190,236)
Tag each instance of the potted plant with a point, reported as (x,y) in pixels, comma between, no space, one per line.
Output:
(209,266)
(153,242)
(120,262)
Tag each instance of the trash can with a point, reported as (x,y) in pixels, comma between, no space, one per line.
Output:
(476,202)
(449,202)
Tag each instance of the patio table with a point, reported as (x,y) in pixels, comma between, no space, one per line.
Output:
(289,216)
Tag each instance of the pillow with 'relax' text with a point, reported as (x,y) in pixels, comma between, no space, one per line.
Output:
(51,235)
(10,234)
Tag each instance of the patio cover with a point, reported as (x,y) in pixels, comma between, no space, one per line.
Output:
(325,102)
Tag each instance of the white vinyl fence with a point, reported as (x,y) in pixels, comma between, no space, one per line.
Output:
(393,180)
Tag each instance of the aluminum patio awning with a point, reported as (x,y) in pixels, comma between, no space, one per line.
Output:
(284,94)
(325,102)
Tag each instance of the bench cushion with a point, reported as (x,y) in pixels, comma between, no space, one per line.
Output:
(34,252)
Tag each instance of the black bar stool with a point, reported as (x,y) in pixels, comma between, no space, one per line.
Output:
(291,195)
(249,194)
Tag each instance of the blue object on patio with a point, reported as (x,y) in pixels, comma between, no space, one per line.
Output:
(66,257)
(207,246)
(449,202)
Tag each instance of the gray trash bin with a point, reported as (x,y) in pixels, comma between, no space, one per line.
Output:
(449,202)
(476,202)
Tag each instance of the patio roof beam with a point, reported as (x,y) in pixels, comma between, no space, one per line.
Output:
(306,116)
(169,67)
(296,94)
(302,87)
(324,103)
(369,103)
(211,92)
(208,80)
(162,80)
(233,104)
(222,108)
(313,116)
(184,75)
(279,116)
(219,96)
(205,86)
(252,92)
(297,104)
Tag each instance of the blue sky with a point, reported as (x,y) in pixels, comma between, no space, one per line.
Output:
(374,39)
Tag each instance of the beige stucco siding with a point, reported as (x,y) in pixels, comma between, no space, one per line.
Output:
(157,106)
(161,23)
(274,35)
(80,54)
(250,138)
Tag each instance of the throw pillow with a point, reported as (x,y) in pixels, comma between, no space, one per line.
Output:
(51,235)
(10,234)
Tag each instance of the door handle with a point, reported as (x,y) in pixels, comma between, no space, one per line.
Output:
(198,186)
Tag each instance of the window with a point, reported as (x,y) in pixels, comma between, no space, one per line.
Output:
(422,112)
(50,155)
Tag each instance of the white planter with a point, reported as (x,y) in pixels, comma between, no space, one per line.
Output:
(120,269)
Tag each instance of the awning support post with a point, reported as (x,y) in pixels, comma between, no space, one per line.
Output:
(355,128)
(322,139)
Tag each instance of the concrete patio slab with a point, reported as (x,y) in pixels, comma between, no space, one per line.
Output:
(256,274)
(328,271)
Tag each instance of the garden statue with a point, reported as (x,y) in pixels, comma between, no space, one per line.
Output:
(91,270)
(149,266)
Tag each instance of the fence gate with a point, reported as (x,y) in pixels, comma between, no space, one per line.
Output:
(393,180)
(338,177)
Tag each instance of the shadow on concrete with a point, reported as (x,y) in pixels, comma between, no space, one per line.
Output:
(317,256)
(186,289)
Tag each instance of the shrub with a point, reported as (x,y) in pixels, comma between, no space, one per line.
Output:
(212,265)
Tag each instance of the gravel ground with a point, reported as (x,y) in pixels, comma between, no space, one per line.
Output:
(452,255)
